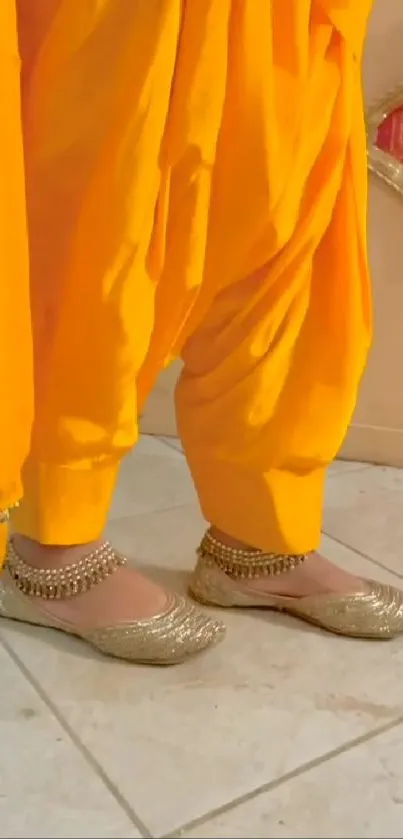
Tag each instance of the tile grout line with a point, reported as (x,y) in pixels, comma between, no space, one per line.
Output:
(171,446)
(89,758)
(283,779)
(364,555)
(269,786)
(152,512)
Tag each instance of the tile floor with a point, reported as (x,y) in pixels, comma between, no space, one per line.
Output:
(282,731)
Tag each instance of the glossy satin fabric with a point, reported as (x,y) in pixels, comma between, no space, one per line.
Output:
(195,185)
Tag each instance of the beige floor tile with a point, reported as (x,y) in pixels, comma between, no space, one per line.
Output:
(174,442)
(182,741)
(149,444)
(364,509)
(164,542)
(153,476)
(46,786)
(343,466)
(357,794)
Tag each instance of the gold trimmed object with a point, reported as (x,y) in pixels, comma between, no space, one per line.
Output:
(5,513)
(385,139)
(62,583)
(176,633)
(374,610)
(249,563)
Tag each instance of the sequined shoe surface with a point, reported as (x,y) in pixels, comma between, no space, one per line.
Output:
(170,637)
(375,612)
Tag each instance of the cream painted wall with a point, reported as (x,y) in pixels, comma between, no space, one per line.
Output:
(376,433)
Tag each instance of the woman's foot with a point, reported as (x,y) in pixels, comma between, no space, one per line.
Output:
(124,596)
(310,587)
(90,591)
(316,575)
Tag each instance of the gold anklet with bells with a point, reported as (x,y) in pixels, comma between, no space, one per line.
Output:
(61,583)
(246,564)
(5,513)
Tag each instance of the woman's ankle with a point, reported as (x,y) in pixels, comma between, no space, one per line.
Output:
(312,574)
(122,595)
(228,540)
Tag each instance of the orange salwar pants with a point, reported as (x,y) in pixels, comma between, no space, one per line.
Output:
(188,178)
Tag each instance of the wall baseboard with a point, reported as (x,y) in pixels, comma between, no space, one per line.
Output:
(373,444)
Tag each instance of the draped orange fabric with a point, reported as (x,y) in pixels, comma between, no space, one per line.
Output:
(195,180)
(16,372)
